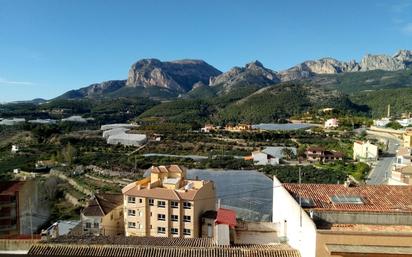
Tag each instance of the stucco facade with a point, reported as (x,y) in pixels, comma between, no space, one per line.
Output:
(166,204)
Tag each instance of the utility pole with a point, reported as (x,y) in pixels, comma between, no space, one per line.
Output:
(300,199)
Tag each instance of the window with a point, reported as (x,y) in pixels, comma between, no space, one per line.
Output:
(131,225)
(174,204)
(345,199)
(140,200)
(161,230)
(161,217)
(131,212)
(88,225)
(174,218)
(151,202)
(306,202)
(186,218)
(161,204)
(111,216)
(174,231)
(187,205)
(131,199)
(96,225)
(186,232)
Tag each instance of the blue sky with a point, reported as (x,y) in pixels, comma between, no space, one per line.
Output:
(50,46)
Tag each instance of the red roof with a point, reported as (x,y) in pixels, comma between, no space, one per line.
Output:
(375,198)
(11,187)
(226,216)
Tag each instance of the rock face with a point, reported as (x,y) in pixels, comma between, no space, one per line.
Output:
(96,90)
(253,73)
(401,60)
(404,56)
(381,62)
(322,66)
(179,75)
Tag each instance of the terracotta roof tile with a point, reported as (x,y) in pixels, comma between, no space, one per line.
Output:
(376,198)
(226,216)
(102,204)
(152,246)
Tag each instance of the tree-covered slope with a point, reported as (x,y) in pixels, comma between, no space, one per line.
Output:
(400,100)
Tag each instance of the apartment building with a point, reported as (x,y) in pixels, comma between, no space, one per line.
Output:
(103,215)
(341,220)
(23,208)
(320,154)
(365,151)
(166,204)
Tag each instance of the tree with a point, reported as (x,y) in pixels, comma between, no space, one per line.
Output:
(394,125)
(69,154)
(288,153)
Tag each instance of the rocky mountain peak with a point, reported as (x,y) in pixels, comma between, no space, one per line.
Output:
(253,73)
(404,56)
(254,65)
(381,62)
(178,75)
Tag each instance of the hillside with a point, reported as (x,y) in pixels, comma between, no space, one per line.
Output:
(284,100)
(354,82)
(377,101)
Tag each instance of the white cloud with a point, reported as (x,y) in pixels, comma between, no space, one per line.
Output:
(407,28)
(6,82)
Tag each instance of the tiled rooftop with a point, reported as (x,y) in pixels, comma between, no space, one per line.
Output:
(102,204)
(375,198)
(372,228)
(151,246)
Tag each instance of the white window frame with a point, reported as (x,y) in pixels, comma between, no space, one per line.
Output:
(161,205)
(131,199)
(187,232)
(174,204)
(161,217)
(174,231)
(131,213)
(187,205)
(161,230)
(173,215)
(187,218)
(151,202)
(131,225)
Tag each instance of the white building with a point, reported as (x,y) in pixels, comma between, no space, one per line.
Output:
(293,224)
(405,122)
(12,122)
(77,118)
(382,122)
(43,121)
(271,155)
(365,151)
(14,148)
(127,139)
(331,123)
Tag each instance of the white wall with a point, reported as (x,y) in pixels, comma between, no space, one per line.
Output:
(222,234)
(287,215)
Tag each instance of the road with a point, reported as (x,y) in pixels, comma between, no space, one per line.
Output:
(383,167)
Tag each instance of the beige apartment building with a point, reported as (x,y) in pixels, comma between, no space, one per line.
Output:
(103,215)
(166,204)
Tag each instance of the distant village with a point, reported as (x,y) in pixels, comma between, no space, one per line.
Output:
(170,212)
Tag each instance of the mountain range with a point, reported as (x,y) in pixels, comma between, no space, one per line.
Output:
(185,78)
